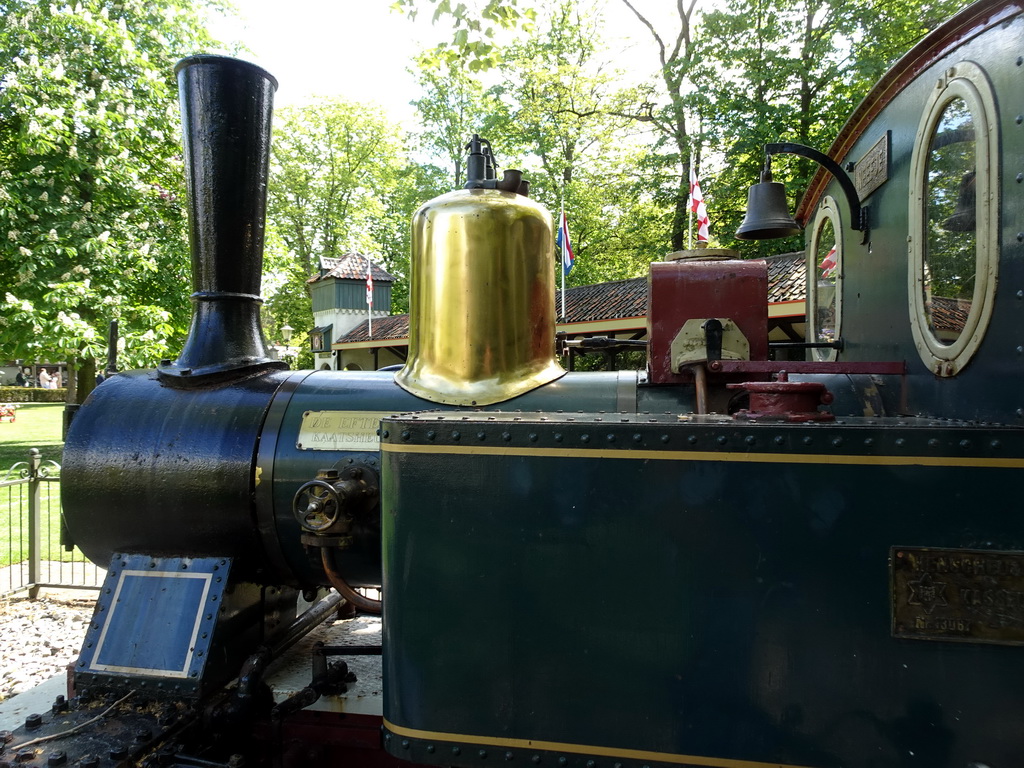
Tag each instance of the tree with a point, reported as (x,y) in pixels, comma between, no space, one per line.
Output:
(416,184)
(562,114)
(673,119)
(557,99)
(764,70)
(454,107)
(732,78)
(891,27)
(333,163)
(556,112)
(474,27)
(92,226)
(792,70)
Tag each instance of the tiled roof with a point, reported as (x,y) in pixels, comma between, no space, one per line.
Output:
(604,301)
(384,329)
(609,301)
(787,277)
(352,266)
(949,315)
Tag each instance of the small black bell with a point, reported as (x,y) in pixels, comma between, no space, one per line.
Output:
(767,216)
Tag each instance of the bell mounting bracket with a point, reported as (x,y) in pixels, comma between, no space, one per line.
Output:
(858,213)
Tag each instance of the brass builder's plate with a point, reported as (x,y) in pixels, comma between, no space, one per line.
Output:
(872,170)
(960,595)
(340,431)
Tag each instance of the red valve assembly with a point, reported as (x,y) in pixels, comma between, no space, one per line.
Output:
(785,400)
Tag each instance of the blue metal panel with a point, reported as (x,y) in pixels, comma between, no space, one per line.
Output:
(154,621)
(290,464)
(145,640)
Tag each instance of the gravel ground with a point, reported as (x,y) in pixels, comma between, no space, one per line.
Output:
(39,638)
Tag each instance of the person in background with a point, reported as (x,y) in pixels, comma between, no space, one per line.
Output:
(22,380)
(44,378)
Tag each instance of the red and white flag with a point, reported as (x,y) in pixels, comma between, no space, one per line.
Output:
(369,283)
(697,206)
(829,263)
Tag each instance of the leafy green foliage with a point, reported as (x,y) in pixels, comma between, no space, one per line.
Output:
(950,203)
(332,160)
(415,184)
(733,76)
(791,71)
(334,163)
(475,24)
(92,226)
(554,109)
(675,118)
(453,107)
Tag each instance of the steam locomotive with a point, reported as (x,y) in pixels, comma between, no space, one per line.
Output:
(724,560)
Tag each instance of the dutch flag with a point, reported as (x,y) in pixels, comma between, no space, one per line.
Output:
(562,241)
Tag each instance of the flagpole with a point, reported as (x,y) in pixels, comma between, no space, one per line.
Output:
(561,221)
(369,306)
(689,209)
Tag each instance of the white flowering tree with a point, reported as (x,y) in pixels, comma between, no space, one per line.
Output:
(92,217)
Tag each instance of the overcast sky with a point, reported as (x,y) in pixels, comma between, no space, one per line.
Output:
(355,48)
(360,49)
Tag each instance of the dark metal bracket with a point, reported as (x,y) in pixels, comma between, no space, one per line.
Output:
(858,213)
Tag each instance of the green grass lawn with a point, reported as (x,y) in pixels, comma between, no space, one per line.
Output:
(37,425)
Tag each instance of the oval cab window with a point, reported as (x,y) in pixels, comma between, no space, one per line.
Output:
(824,273)
(953,226)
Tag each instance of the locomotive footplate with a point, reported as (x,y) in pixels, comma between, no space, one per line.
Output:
(111,731)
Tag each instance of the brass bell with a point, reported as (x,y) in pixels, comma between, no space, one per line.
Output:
(964,218)
(482,294)
(767,216)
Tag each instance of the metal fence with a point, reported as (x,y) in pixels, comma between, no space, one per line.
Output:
(32,554)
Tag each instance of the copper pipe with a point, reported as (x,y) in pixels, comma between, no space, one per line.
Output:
(700,380)
(364,604)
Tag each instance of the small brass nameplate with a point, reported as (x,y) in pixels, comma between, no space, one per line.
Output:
(872,170)
(961,595)
(340,431)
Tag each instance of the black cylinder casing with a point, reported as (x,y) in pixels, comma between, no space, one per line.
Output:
(166,471)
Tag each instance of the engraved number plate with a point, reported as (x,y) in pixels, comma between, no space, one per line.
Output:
(872,170)
(974,596)
(340,431)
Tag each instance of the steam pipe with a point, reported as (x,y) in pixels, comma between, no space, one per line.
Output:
(111,368)
(226,108)
(364,604)
(256,665)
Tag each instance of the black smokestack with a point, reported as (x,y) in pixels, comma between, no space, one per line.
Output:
(226,108)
